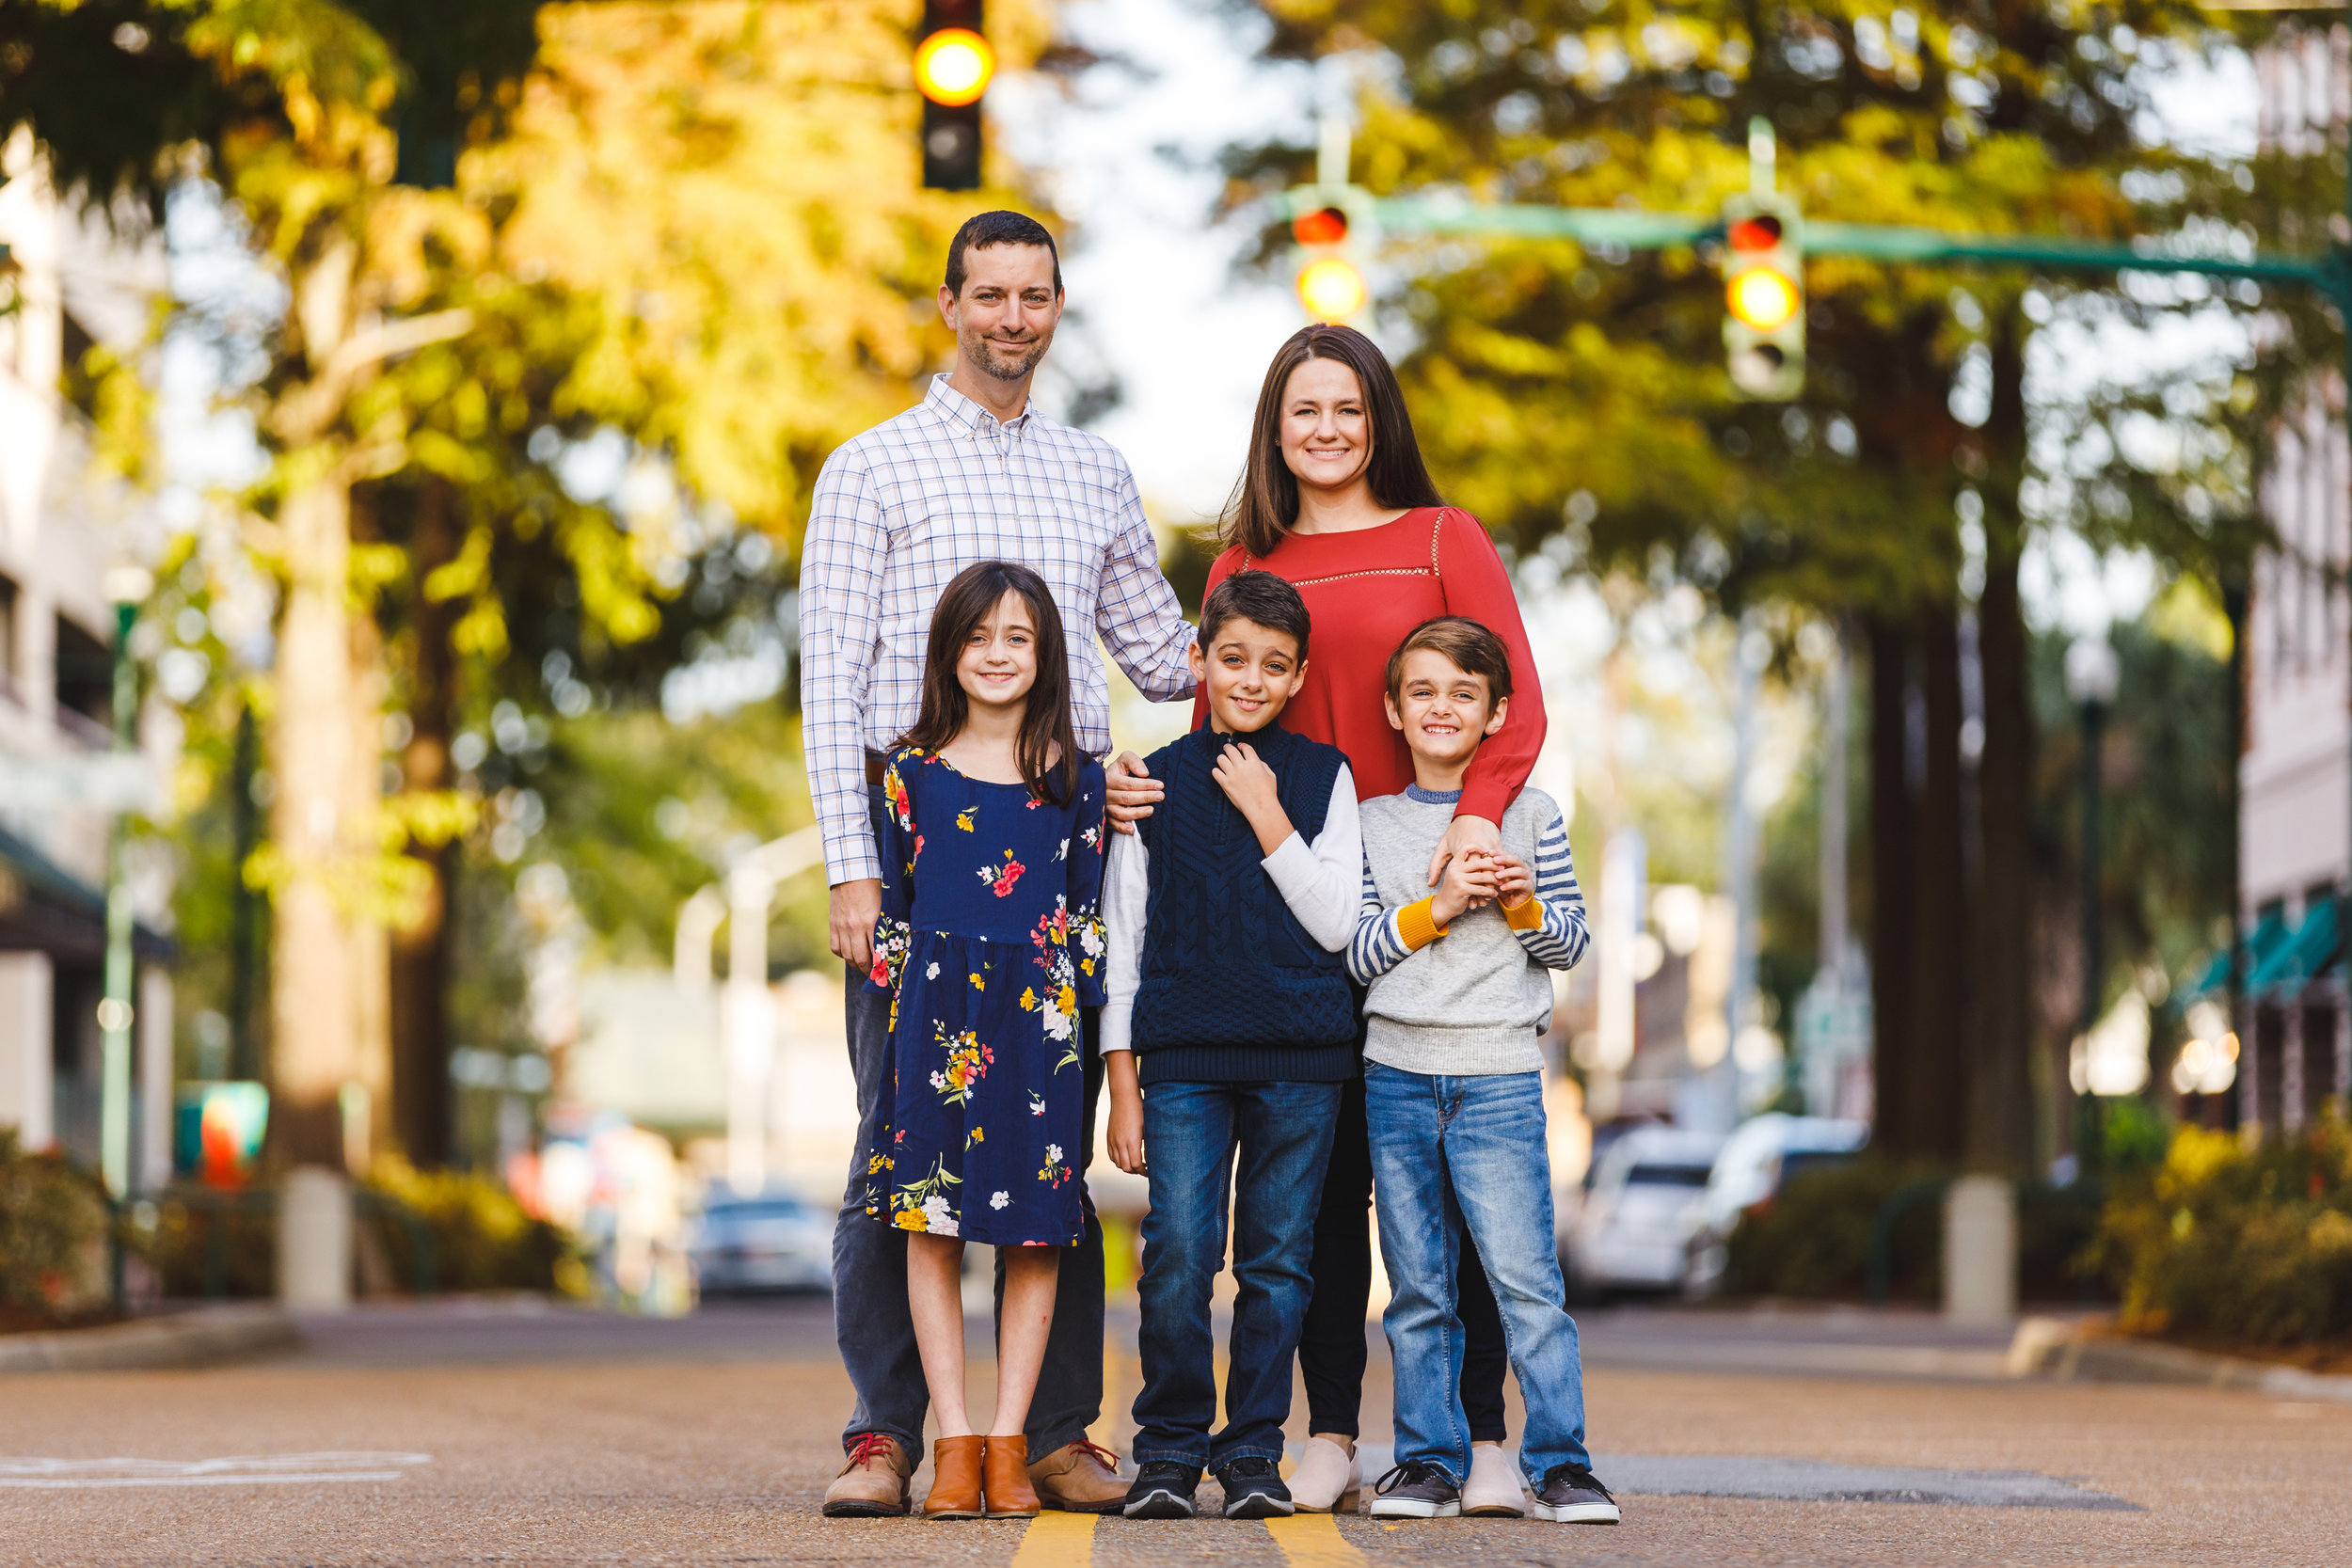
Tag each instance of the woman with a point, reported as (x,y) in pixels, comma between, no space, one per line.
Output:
(1335,498)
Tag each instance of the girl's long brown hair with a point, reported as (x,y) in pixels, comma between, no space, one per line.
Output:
(1264,503)
(1047,751)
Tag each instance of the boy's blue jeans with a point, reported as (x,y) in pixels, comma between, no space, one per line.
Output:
(1448,1152)
(1190,1132)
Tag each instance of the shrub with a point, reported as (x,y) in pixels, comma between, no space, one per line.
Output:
(53,1237)
(2238,1242)
(482,1238)
(207,1242)
(1812,1239)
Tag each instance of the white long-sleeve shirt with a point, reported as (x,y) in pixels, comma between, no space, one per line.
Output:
(1321,883)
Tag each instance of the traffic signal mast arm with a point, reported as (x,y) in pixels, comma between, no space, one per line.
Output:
(1638,230)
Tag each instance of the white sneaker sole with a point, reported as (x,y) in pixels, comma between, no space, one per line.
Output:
(1578,1514)
(1392,1508)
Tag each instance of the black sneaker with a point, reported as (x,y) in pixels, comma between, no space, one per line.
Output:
(1163,1489)
(1254,1490)
(1417,1489)
(1572,1495)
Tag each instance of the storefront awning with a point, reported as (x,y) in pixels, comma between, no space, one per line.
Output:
(46,909)
(2301,959)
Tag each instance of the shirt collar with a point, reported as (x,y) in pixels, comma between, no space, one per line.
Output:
(961,413)
(1432,797)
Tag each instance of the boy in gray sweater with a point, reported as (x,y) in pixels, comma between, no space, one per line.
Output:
(1459,992)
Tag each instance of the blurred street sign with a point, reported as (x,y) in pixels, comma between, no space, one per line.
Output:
(111,782)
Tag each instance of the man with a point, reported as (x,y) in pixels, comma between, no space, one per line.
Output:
(971,473)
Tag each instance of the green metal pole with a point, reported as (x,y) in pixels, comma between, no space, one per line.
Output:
(115,1014)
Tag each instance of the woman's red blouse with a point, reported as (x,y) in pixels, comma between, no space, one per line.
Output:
(1365,590)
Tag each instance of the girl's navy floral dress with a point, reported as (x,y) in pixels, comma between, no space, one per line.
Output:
(989,941)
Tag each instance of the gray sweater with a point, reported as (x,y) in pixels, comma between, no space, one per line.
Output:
(1469,999)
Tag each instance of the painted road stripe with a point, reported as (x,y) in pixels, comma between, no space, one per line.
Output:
(1056,1540)
(1313,1541)
(279,1469)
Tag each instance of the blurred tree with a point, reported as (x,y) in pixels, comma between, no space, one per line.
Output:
(692,230)
(1549,373)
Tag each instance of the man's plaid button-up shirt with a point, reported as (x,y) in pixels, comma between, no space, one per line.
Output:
(901,510)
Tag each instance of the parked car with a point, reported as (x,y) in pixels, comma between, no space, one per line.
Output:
(769,1242)
(1641,1206)
(1757,1161)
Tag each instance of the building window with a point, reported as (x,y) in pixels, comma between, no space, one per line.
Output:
(86,675)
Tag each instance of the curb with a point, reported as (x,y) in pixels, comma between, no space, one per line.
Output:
(2059,1350)
(202,1337)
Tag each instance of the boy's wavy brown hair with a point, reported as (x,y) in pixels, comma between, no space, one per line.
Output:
(1474,649)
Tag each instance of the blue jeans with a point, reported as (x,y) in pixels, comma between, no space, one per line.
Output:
(871,1323)
(1449,1153)
(1190,1132)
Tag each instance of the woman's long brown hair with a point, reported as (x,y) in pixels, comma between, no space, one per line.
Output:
(1047,751)
(1264,503)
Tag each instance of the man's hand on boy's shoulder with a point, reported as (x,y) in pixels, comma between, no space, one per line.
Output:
(1130,791)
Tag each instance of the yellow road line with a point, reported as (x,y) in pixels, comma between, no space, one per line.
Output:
(1313,1541)
(1056,1540)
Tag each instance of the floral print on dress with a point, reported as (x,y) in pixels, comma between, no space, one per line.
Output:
(990,943)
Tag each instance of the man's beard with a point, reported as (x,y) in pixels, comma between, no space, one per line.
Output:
(986,354)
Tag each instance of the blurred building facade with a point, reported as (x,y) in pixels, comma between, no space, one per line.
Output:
(63,524)
(2294,775)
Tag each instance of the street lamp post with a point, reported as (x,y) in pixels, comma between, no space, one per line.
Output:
(2093,675)
(126,586)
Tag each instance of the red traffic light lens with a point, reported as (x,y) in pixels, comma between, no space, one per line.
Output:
(1323,226)
(1761,232)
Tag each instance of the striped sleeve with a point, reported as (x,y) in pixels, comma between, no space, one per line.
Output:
(1550,926)
(1383,937)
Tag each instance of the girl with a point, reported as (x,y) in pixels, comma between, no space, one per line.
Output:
(989,941)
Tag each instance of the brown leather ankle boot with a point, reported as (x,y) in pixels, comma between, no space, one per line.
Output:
(956,1465)
(1006,1480)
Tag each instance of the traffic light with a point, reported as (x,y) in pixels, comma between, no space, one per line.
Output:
(1764,297)
(1330,284)
(952,65)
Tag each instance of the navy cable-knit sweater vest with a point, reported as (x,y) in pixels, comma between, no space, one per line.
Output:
(1233,989)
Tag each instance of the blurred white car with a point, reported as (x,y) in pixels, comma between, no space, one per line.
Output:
(1642,1206)
(769,1242)
(1757,1161)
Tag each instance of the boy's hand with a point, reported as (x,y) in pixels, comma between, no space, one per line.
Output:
(1468,882)
(1250,785)
(1126,1135)
(1130,791)
(1514,881)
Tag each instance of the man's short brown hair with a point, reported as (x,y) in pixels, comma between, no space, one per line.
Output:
(1474,649)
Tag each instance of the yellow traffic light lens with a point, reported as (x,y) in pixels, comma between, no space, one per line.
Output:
(953,66)
(1331,290)
(1763,299)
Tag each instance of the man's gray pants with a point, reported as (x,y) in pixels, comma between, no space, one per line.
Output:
(869,1272)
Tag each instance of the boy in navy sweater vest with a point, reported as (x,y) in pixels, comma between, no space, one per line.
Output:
(1230,1024)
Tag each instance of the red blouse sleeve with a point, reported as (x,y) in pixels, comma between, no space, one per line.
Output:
(1220,569)
(1475,584)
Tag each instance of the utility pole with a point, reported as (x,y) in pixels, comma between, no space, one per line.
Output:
(126,586)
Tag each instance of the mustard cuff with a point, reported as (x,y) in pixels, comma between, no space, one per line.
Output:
(1417,928)
(1527,918)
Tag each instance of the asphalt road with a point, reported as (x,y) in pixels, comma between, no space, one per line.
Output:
(493,1434)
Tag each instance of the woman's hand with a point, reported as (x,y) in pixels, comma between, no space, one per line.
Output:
(1255,792)
(1130,791)
(1469,882)
(1514,881)
(1464,835)
(1126,1139)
